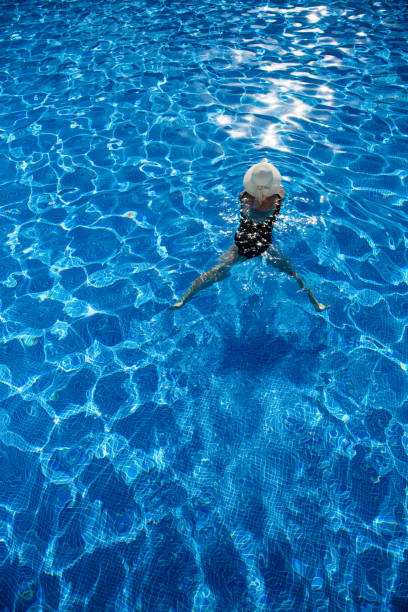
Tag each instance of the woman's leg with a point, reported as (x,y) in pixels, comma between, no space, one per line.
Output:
(282,263)
(220,271)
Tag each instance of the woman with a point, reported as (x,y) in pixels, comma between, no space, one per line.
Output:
(260,206)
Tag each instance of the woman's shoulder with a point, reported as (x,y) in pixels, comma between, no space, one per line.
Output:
(260,215)
(244,195)
(277,198)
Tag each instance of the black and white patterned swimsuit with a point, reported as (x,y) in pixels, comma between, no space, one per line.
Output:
(254,237)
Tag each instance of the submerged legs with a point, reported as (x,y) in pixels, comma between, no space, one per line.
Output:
(223,267)
(220,271)
(282,263)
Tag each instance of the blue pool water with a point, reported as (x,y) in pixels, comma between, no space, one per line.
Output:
(244,453)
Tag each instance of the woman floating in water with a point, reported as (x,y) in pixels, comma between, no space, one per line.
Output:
(260,206)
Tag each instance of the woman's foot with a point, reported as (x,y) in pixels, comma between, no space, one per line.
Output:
(178,304)
(317,305)
(320,307)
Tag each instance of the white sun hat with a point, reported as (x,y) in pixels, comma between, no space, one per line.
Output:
(262,180)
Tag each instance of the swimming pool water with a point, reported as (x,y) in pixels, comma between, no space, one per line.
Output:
(243,453)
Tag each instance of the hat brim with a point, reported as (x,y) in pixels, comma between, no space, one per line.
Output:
(267,190)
